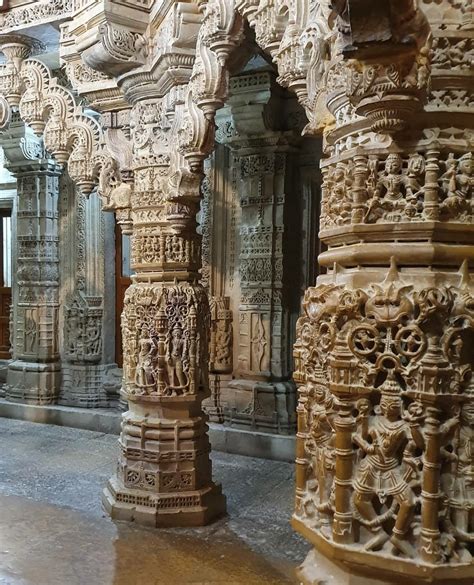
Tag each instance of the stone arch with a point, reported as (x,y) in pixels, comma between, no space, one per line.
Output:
(297,40)
(69,133)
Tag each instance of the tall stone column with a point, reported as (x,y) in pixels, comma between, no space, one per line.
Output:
(88,332)
(267,260)
(164,474)
(34,373)
(384,355)
(218,242)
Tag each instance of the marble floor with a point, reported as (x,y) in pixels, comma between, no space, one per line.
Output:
(54,532)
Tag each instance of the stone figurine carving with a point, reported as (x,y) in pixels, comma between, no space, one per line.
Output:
(83,329)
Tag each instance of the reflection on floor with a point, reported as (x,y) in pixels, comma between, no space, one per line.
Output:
(53,531)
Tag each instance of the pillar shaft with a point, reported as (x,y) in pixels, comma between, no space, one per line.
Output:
(385,341)
(34,373)
(164,475)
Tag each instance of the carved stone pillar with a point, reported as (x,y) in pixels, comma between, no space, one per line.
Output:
(267,238)
(384,355)
(164,474)
(34,373)
(218,241)
(87,252)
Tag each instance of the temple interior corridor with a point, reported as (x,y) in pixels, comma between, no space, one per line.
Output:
(234,229)
(53,530)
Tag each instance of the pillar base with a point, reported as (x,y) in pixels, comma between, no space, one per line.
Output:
(318,570)
(352,565)
(88,386)
(33,383)
(191,508)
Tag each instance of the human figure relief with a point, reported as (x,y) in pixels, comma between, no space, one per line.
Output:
(72,330)
(457,181)
(223,342)
(388,200)
(339,183)
(461,498)
(414,185)
(145,371)
(321,446)
(177,350)
(381,473)
(364,410)
(93,343)
(30,334)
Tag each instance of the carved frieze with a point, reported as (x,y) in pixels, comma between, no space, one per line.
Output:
(83,329)
(422,187)
(386,372)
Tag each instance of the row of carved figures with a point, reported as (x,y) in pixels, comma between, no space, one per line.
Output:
(395,191)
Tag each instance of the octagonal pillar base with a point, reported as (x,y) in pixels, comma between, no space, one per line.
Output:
(330,563)
(190,508)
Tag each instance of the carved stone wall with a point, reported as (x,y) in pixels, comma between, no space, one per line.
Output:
(87,342)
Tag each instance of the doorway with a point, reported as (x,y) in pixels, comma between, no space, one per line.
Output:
(5,282)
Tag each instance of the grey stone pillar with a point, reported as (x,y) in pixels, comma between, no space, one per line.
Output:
(34,373)
(87,321)
(265,225)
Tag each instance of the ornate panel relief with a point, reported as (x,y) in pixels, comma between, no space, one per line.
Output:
(390,379)
(165,340)
(83,329)
(221,335)
(422,187)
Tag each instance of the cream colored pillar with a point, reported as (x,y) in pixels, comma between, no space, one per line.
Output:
(164,474)
(385,345)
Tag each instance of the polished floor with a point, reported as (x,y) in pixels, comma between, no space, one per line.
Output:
(54,532)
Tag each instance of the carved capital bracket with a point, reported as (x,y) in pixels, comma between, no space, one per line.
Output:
(70,135)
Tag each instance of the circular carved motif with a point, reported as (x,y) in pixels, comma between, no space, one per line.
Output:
(325,336)
(410,341)
(364,340)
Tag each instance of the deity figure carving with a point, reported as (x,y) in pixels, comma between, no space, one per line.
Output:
(177,350)
(458,182)
(414,185)
(321,447)
(460,482)
(223,343)
(388,198)
(145,372)
(83,329)
(30,334)
(380,474)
